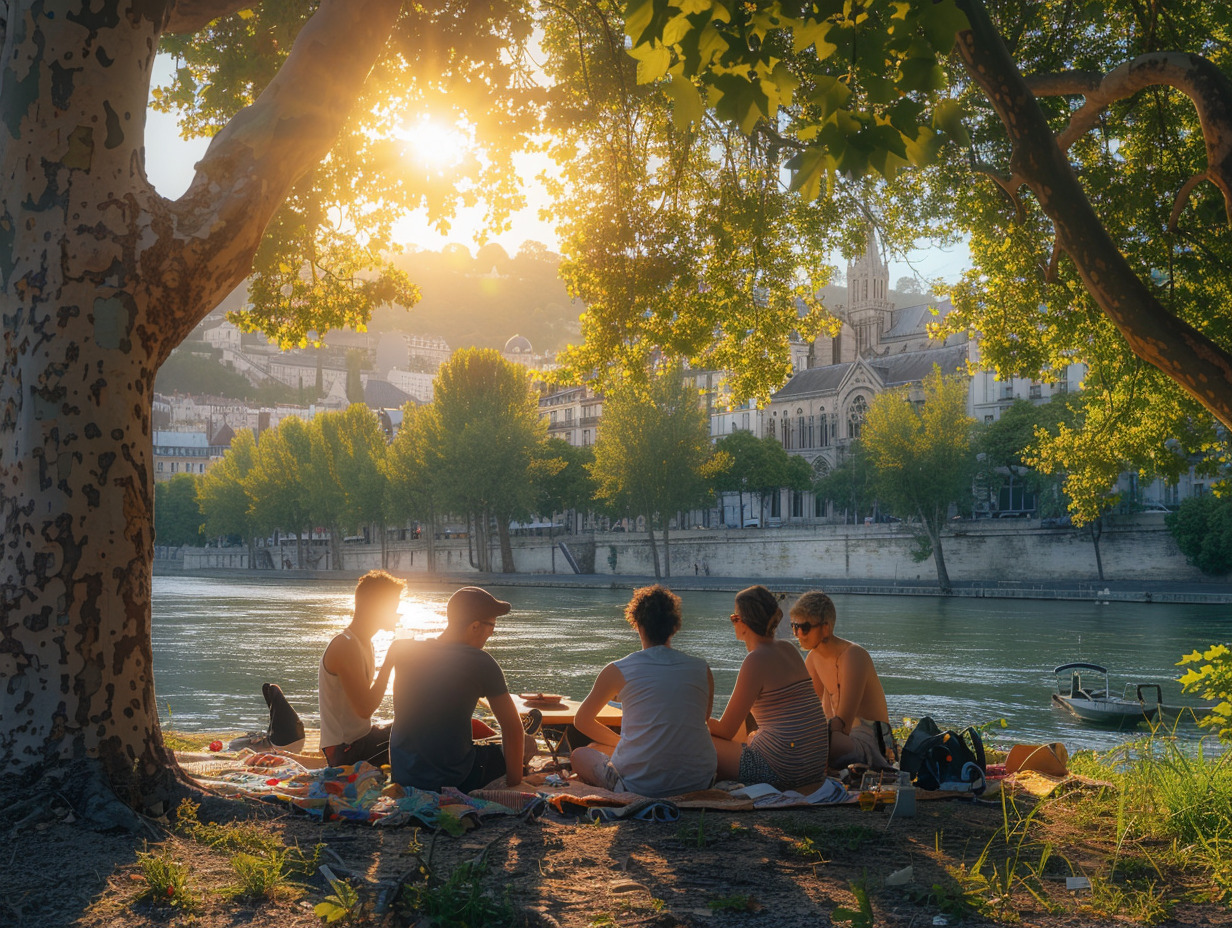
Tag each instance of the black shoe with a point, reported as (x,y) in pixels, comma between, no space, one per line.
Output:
(285,726)
(532,721)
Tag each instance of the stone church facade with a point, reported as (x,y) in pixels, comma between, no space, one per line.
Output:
(820,411)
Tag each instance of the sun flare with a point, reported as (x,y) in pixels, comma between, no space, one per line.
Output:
(434,144)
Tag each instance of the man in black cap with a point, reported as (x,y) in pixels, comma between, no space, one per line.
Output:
(437,685)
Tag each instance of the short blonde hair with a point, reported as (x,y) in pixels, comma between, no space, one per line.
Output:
(815,605)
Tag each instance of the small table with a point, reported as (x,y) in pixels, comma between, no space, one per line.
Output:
(565,715)
(558,719)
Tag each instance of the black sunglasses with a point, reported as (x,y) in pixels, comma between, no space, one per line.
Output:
(804,626)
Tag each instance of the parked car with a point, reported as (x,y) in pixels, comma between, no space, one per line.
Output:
(752,523)
(1064,521)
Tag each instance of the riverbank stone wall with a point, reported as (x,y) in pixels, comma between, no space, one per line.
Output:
(990,552)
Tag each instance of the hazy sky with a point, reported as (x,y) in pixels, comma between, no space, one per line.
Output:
(170,161)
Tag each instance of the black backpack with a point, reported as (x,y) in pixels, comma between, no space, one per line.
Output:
(944,760)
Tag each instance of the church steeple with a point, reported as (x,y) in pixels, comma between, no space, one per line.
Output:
(868,296)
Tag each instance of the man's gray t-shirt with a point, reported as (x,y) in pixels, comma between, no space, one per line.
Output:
(436,688)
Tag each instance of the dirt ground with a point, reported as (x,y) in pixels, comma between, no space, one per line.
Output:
(771,868)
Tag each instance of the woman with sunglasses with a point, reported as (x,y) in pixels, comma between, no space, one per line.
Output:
(792,742)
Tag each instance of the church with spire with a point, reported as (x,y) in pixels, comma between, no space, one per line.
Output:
(820,411)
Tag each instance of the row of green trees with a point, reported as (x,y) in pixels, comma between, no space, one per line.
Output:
(480,452)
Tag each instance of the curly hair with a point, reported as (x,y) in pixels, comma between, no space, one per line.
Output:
(374,586)
(758,608)
(815,605)
(655,611)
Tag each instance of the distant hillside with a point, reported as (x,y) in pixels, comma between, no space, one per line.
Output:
(483,300)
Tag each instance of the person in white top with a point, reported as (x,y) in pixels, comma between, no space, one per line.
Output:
(349,687)
(664,747)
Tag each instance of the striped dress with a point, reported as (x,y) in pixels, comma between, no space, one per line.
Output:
(793,736)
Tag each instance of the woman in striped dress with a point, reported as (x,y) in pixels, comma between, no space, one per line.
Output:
(791,745)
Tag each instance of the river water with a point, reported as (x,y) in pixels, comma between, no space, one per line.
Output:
(962,661)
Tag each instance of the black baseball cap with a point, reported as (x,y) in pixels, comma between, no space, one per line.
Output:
(474,604)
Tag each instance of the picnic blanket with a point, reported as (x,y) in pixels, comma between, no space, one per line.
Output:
(575,796)
(363,793)
(352,792)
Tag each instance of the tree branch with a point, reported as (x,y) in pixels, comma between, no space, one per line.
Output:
(189,16)
(1182,198)
(1201,367)
(1063,83)
(1196,77)
(1009,185)
(254,160)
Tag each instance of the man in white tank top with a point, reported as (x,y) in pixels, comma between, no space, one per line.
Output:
(348,692)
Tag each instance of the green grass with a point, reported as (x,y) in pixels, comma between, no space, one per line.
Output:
(693,833)
(261,877)
(184,741)
(827,839)
(458,901)
(1141,903)
(247,837)
(736,902)
(167,881)
(265,867)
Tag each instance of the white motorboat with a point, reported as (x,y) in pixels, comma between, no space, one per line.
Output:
(1082,689)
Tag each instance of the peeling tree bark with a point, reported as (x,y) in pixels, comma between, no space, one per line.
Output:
(1201,367)
(100,278)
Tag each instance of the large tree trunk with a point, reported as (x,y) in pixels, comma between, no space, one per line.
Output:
(100,278)
(667,553)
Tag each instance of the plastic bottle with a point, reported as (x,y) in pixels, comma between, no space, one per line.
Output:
(904,796)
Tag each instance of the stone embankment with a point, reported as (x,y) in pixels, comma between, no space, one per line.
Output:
(1011,559)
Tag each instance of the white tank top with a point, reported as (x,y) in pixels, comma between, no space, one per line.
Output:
(665,746)
(340,724)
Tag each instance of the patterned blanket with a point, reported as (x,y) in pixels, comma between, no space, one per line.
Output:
(363,793)
(353,792)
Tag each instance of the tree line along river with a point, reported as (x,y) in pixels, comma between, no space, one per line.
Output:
(962,661)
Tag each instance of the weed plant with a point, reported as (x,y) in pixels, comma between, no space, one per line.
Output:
(342,906)
(1013,859)
(166,880)
(737,902)
(457,902)
(1143,904)
(693,834)
(260,877)
(862,915)
(248,837)
(828,839)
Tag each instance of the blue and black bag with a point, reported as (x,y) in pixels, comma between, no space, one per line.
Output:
(944,760)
